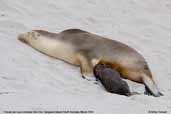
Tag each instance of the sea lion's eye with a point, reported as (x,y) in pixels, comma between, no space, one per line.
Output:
(33,35)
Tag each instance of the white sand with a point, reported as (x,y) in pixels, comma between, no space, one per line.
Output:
(36,82)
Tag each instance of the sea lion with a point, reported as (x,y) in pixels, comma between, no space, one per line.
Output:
(86,49)
(111,80)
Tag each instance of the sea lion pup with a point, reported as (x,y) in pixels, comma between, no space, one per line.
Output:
(111,80)
(85,49)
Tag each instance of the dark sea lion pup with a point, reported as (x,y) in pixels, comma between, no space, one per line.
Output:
(111,80)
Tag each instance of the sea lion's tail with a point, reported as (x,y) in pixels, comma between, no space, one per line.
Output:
(151,87)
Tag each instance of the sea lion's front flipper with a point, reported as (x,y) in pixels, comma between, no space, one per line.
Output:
(86,66)
(89,77)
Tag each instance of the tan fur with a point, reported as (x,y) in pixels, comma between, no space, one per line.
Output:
(85,49)
(54,49)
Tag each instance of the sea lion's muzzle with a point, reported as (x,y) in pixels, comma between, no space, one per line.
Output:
(22,38)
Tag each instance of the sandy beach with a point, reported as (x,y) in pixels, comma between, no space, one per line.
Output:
(31,81)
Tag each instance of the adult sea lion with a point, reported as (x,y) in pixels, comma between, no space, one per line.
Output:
(86,49)
(111,79)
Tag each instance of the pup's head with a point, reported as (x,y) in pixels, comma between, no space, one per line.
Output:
(99,68)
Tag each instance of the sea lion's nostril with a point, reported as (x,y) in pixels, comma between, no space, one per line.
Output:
(21,38)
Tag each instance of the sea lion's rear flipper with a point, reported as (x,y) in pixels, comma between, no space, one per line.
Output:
(148,92)
(151,87)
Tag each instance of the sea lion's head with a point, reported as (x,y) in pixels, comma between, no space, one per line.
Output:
(29,37)
(32,36)
(38,39)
